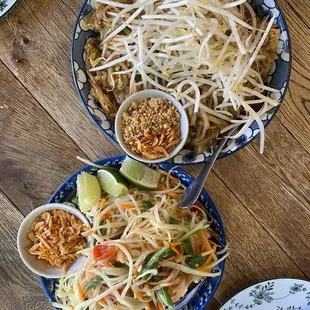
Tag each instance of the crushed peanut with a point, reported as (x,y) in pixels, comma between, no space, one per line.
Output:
(151,128)
(56,238)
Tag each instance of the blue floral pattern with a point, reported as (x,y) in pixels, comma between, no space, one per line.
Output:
(280,294)
(205,290)
(278,78)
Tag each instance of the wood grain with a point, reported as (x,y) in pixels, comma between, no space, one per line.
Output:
(274,187)
(20,288)
(295,111)
(43,67)
(36,155)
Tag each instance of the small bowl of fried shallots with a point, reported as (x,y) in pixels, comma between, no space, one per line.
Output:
(151,126)
(50,238)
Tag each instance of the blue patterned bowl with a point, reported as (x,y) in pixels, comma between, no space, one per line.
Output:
(206,288)
(278,79)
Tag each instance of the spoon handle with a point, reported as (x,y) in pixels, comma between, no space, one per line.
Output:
(192,193)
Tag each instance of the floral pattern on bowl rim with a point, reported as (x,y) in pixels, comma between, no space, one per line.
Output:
(278,78)
(277,294)
(206,288)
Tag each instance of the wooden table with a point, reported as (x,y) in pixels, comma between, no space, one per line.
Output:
(263,199)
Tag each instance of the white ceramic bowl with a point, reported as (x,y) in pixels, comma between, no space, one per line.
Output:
(31,261)
(139,97)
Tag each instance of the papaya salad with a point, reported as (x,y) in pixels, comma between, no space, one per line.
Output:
(146,253)
(213,56)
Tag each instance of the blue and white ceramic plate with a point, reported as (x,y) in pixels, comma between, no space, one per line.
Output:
(206,288)
(278,79)
(277,294)
(6,6)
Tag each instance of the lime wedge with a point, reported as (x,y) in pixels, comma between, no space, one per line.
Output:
(89,192)
(112,182)
(139,174)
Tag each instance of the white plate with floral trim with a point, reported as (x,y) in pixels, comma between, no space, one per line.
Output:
(277,294)
(6,6)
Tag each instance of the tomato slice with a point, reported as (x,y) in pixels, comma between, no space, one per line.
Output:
(104,252)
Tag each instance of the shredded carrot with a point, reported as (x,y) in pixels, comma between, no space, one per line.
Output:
(102,203)
(160,306)
(174,195)
(204,266)
(172,247)
(205,253)
(170,244)
(212,242)
(205,240)
(139,295)
(82,293)
(135,270)
(179,258)
(103,301)
(126,206)
(105,214)
(214,234)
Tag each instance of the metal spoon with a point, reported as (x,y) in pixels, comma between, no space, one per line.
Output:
(193,191)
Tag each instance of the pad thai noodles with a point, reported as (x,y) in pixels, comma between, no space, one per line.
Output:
(214,56)
(146,253)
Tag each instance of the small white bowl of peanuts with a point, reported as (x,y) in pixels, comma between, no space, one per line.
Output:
(151,126)
(50,238)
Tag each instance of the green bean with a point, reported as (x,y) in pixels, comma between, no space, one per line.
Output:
(165,298)
(147,204)
(162,253)
(165,252)
(188,248)
(196,261)
(98,280)
(172,220)
(190,233)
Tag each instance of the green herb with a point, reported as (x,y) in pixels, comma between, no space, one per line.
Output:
(147,204)
(165,252)
(196,261)
(172,220)
(98,280)
(156,278)
(138,77)
(119,265)
(162,253)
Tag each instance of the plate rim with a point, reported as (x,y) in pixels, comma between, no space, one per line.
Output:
(256,283)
